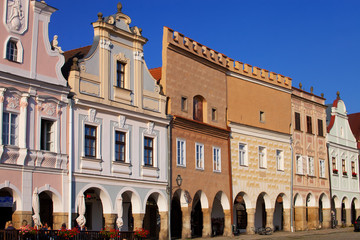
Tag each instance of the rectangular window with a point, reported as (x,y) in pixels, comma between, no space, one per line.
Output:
(333,162)
(120,146)
(322,168)
(199,155)
(310,165)
(217,159)
(280,160)
(90,141)
(320,128)
(242,154)
(297,121)
(11,51)
(47,135)
(213,114)
(120,74)
(9,128)
(184,104)
(343,165)
(148,151)
(353,170)
(309,124)
(299,164)
(262,157)
(181,152)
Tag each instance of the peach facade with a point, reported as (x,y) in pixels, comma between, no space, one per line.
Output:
(203,199)
(311,176)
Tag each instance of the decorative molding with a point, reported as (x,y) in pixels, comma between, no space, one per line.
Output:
(49,109)
(12,102)
(92,115)
(106,44)
(122,120)
(138,55)
(150,128)
(16,15)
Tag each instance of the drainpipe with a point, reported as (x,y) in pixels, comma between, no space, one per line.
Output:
(169,189)
(71,155)
(291,187)
(332,205)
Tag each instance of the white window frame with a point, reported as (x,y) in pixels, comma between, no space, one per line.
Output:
(322,168)
(16,142)
(182,154)
(20,49)
(262,157)
(310,166)
(243,153)
(199,156)
(279,159)
(299,164)
(53,134)
(216,159)
(127,144)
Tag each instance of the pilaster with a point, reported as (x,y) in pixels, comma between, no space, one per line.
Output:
(286,216)
(109,221)
(227,227)
(250,220)
(348,217)
(186,223)
(326,218)
(313,218)
(270,218)
(300,218)
(138,220)
(58,219)
(163,226)
(206,232)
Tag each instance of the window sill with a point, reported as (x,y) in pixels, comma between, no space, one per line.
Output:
(323,178)
(92,159)
(217,171)
(311,176)
(345,176)
(243,165)
(262,168)
(120,163)
(300,174)
(150,171)
(280,170)
(199,169)
(181,166)
(149,167)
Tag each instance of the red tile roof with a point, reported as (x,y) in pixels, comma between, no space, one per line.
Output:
(354,121)
(156,73)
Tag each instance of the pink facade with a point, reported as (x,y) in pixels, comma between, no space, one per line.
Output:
(33,113)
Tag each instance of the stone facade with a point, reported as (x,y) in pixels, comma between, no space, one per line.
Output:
(311,179)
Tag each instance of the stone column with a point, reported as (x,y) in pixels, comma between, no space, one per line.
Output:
(186,223)
(138,220)
(206,232)
(286,217)
(326,218)
(348,217)
(227,223)
(270,218)
(19,216)
(109,221)
(250,220)
(313,217)
(58,219)
(164,228)
(338,216)
(300,218)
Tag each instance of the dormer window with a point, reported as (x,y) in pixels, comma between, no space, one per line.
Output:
(11,51)
(120,74)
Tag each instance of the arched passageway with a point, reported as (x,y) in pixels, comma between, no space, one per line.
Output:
(217,216)
(94,210)
(176,217)
(260,212)
(7,206)
(196,217)
(278,220)
(353,211)
(46,208)
(151,220)
(240,213)
(127,217)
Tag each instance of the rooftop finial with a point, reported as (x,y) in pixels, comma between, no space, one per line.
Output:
(300,85)
(100,17)
(322,95)
(119,7)
(311,89)
(337,95)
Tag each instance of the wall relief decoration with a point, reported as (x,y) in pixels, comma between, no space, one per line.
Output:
(12,102)
(49,109)
(16,15)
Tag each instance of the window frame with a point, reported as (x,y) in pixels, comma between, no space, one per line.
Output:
(310,166)
(93,138)
(44,138)
(201,147)
(262,116)
(20,50)
(183,152)
(120,143)
(245,151)
(262,157)
(216,159)
(309,128)
(299,164)
(184,103)
(279,159)
(120,83)
(12,138)
(322,173)
(320,128)
(148,148)
(297,121)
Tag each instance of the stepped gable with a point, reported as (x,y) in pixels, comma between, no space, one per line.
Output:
(354,121)
(69,55)
(185,43)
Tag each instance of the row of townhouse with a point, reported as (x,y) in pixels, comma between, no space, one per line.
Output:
(198,147)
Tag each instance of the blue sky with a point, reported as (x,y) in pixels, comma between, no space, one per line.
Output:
(315,42)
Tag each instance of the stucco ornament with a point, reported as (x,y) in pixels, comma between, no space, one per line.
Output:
(106,44)
(92,115)
(12,102)
(122,120)
(16,15)
(151,126)
(49,109)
